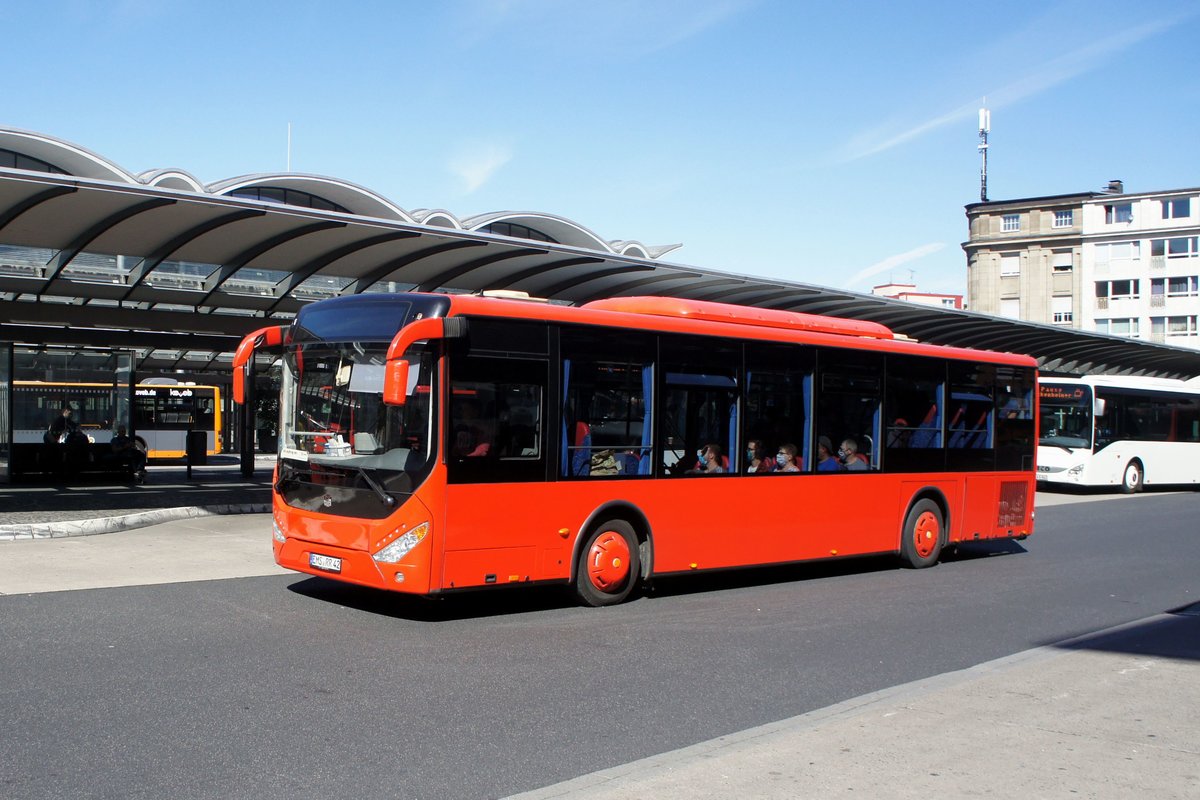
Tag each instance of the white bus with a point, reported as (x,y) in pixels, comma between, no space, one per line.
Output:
(1113,431)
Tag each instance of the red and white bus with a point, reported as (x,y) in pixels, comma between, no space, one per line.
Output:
(431,443)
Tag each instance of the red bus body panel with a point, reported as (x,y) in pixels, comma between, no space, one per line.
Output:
(498,534)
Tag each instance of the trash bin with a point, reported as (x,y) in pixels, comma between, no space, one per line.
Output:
(197,448)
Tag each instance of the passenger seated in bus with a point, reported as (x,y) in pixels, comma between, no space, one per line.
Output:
(785,459)
(757,460)
(711,461)
(852,460)
(826,460)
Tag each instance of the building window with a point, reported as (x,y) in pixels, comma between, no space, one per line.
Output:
(1118,290)
(1177,247)
(1010,264)
(1185,326)
(1178,208)
(1125,326)
(1062,309)
(1062,261)
(1118,212)
(1185,286)
(1064,219)
(1010,308)
(1010,222)
(1118,251)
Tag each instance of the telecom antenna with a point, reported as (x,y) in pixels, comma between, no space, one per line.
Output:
(985,127)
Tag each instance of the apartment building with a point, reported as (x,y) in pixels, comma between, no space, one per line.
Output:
(1109,262)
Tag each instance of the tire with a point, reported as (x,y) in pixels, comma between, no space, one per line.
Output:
(1132,478)
(922,537)
(609,564)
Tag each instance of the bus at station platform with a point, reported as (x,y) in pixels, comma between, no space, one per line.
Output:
(163,412)
(431,443)
(1126,432)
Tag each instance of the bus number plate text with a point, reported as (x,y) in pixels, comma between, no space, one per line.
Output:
(327,563)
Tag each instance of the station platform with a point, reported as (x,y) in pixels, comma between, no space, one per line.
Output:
(35,508)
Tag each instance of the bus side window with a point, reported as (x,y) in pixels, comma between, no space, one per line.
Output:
(914,400)
(494,430)
(699,406)
(848,399)
(779,388)
(606,425)
(1014,418)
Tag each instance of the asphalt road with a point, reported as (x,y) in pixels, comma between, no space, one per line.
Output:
(286,686)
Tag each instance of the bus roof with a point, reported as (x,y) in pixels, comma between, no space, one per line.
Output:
(674,315)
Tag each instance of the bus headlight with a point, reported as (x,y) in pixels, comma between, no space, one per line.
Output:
(1075,470)
(277,531)
(399,548)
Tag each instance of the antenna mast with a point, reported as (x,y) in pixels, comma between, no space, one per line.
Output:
(985,127)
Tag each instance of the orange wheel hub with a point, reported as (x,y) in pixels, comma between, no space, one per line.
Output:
(608,561)
(926,533)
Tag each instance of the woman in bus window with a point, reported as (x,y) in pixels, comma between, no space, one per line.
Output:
(785,459)
(758,462)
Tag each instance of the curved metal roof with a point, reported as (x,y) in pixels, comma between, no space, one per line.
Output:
(121,262)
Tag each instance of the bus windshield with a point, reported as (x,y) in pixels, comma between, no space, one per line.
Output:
(1066,415)
(342,450)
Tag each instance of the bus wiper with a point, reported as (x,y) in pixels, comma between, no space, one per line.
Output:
(1058,444)
(387,499)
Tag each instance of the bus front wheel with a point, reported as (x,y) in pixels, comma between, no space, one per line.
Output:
(921,539)
(1131,481)
(609,564)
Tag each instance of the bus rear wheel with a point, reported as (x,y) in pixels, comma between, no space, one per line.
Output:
(1131,481)
(921,539)
(609,564)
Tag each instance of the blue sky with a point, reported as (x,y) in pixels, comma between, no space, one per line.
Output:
(830,143)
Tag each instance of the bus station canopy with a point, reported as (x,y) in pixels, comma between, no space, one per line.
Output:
(104,263)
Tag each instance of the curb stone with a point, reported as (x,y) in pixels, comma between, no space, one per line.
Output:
(126,522)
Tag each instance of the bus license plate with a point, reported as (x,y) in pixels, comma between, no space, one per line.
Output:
(327,563)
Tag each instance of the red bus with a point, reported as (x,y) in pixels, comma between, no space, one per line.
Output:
(432,443)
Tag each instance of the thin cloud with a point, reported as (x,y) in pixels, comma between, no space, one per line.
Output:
(891,262)
(1044,77)
(476,165)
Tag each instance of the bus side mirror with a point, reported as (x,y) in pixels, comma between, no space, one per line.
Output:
(259,339)
(1098,407)
(395,383)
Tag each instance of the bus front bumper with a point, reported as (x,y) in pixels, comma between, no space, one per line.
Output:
(351,566)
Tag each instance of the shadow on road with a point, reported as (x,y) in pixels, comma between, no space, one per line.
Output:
(442,608)
(987,548)
(525,598)
(1175,635)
